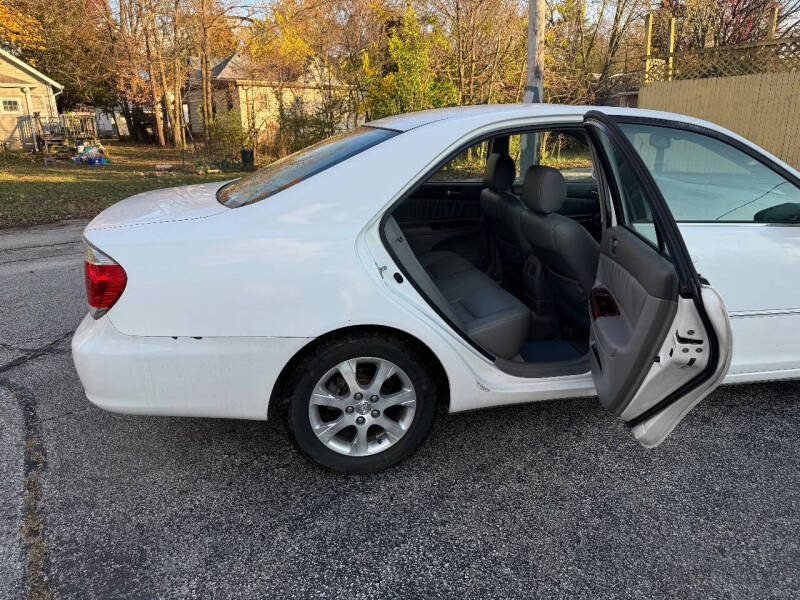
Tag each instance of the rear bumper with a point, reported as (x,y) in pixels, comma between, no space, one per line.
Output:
(230,377)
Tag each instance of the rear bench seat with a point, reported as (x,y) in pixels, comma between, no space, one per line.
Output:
(488,314)
(443,264)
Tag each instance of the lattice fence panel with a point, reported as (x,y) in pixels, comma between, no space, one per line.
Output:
(772,56)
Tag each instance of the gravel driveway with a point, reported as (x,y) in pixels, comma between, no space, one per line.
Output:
(553,500)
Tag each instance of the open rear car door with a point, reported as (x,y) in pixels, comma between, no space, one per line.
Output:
(660,338)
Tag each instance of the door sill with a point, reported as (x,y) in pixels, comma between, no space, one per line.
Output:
(577,366)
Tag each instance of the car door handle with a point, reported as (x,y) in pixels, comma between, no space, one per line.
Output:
(451,193)
(612,247)
(602,303)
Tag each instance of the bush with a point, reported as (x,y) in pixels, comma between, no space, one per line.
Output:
(299,127)
(226,138)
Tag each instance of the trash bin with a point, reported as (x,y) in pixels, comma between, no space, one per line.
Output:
(248,161)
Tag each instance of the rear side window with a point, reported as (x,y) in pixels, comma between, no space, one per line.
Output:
(566,151)
(301,165)
(705,179)
(467,167)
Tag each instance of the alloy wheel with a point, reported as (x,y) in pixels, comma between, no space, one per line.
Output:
(362,406)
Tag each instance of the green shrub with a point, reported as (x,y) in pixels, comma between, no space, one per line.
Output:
(226,138)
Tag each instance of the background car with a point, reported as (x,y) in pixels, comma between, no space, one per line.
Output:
(470,257)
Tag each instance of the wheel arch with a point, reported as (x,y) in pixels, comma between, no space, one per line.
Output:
(283,384)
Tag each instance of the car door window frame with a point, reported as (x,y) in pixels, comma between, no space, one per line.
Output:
(611,197)
(662,217)
(726,139)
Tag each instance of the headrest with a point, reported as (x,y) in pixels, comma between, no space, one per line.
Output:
(543,189)
(500,172)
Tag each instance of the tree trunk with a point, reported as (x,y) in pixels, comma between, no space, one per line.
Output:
(154,89)
(162,74)
(177,133)
(126,112)
(460,48)
(177,98)
(209,89)
(126,26)
(205,71)
(472,57)
(492,71)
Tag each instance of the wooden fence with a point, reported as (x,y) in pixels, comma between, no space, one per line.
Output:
(752,89)
(764,107)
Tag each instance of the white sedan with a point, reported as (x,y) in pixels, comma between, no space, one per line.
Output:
(466,257)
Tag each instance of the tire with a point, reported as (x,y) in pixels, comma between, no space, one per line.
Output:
(325,428)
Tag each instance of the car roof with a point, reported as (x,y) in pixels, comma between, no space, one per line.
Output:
(490,112)
(480,115)
(486,114)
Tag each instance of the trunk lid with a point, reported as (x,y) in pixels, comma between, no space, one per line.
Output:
(162,206)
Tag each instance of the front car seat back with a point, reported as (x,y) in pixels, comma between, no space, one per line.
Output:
(566,249)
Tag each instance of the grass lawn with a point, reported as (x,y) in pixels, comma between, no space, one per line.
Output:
(32,193)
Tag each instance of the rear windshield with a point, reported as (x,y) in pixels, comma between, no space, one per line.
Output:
(294,168)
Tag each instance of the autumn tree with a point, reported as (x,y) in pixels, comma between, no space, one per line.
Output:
(409,80)
(585,42)
(702,23)
(486,42)
(65,40)
(19,31)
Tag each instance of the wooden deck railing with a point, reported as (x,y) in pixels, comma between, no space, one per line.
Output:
(66,126)
(40,131)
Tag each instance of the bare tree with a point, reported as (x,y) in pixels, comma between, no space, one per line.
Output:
(722,22)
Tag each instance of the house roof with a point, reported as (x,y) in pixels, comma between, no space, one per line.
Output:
(230,68)
(234,68)
(23,66)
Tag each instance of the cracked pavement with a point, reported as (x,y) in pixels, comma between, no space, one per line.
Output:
(553,500)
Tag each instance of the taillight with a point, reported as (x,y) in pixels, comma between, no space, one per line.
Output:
(105,281)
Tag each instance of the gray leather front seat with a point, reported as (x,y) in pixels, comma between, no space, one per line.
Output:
(567,251)
(469,298)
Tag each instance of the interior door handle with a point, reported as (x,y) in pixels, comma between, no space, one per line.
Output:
(450,193)
(602,303)
(612,247)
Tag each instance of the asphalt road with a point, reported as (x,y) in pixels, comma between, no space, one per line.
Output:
(553,500)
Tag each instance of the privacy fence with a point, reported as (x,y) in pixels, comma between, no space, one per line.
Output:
(752,89)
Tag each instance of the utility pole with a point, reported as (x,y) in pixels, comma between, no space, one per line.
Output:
(534,82)
(535,75)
